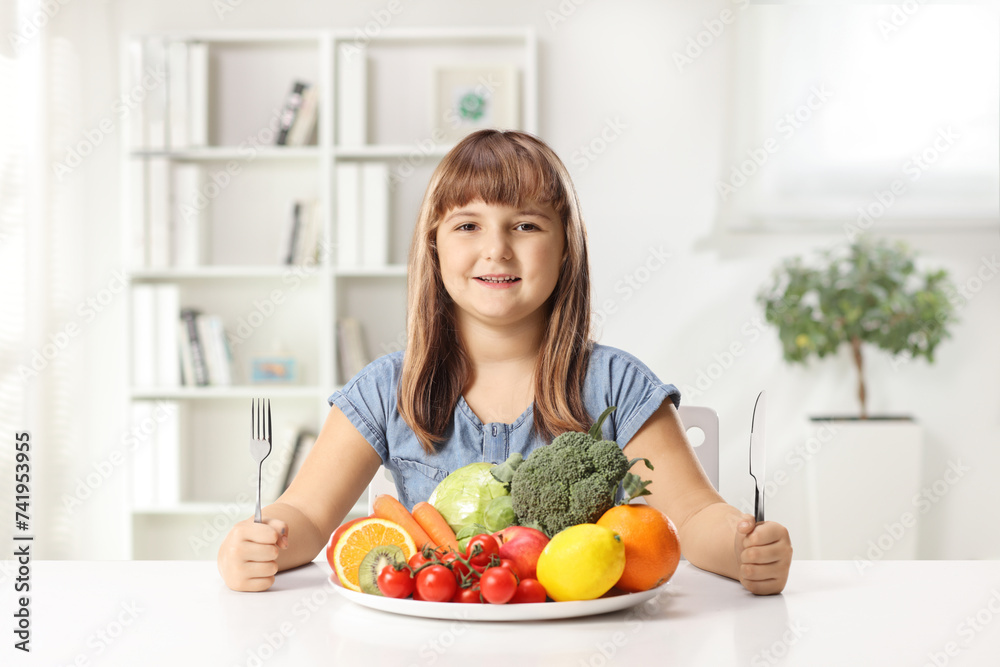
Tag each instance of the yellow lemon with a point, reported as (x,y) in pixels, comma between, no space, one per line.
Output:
(581,562)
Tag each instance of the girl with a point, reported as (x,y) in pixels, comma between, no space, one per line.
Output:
(498,359)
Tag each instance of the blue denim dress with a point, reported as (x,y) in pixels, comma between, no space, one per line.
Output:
(368,400)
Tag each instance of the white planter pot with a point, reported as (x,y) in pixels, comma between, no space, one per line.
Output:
(861,485)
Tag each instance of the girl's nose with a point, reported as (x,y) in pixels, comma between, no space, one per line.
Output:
(496,246)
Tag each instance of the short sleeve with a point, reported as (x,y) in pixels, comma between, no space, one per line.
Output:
(636,391)
(368,400)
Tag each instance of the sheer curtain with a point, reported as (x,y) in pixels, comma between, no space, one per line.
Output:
(41,256)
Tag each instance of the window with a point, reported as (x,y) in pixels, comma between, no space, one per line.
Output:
(864,115)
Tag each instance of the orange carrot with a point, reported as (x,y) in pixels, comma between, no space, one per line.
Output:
(434,524)
(387,507)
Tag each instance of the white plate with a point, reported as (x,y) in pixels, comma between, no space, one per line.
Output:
(537,611)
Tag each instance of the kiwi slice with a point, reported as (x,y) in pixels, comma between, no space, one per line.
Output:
(372,564)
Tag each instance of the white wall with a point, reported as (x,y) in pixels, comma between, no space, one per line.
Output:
(652,187)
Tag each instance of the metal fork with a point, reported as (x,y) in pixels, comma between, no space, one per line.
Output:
(260,441)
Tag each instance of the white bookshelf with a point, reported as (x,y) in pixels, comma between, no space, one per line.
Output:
(249,74)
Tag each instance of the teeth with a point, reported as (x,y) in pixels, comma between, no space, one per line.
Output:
(498,280)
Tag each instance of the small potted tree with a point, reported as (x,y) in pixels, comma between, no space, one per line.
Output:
(868,294)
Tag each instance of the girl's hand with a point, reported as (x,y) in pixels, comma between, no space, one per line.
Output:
(248,557)
(764,554)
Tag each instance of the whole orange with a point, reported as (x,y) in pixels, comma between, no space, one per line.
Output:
(652,549)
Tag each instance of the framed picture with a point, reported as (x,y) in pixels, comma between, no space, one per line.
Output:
(469,98)
(279,370)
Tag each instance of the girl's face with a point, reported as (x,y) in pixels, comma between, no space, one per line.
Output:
(500,264)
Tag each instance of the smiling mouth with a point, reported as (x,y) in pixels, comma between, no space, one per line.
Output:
(498,280)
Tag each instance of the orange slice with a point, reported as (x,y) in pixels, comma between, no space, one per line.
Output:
(359,539)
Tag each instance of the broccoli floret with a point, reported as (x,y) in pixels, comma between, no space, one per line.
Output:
(573,480)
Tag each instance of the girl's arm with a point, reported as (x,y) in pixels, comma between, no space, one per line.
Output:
(333,476)
(298,524)
(757,556)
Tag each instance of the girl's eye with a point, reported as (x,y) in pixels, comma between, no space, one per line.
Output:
(528,226)
(466,227)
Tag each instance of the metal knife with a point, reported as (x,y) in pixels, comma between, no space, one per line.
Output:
(758,456)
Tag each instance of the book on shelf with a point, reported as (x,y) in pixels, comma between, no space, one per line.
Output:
(351,348)
(375,214)
(187,94)
(137,179)
(362,214)
(154,111)
(348,214)
(155,363)
(289,112)
(303,233)
(352,126)
(156,463)
(187,235)
(205,355)
(169,223)
(158,223)
(199,368)
(135,119)
(303,128)
(144,366)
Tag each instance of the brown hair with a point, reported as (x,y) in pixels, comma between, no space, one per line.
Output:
(507,168)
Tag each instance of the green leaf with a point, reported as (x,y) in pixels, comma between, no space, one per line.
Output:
(595,430)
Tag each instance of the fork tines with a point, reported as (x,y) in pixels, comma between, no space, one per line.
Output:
(260,427)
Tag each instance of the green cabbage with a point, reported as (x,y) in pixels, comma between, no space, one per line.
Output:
(463,496)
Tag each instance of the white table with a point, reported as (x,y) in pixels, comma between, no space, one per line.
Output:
(138,613)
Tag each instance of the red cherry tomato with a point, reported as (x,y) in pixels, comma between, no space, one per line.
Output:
(487,547)
(468,595)
(509,564)
(529,590)
(416,560)
(498,585)
(395,583)
(436,583)
(458,567)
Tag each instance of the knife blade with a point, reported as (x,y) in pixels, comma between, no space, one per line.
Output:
(758,456)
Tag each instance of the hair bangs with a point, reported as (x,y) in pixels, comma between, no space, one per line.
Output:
(498,171)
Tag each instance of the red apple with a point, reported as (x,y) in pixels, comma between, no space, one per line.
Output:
(522,545)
